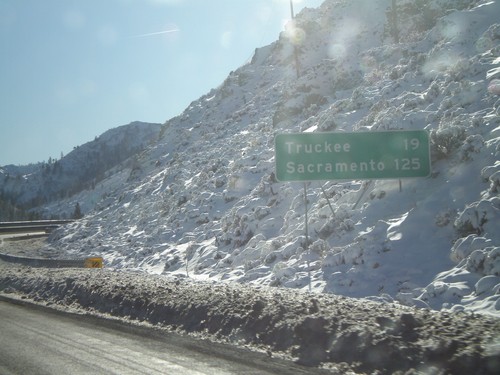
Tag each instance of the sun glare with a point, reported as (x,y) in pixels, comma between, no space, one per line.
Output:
(294,33)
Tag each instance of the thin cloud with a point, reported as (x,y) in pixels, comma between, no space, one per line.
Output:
(156,33)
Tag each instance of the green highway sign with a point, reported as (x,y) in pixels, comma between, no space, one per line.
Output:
(352,156)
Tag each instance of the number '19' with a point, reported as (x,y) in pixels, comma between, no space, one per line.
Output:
(411,144)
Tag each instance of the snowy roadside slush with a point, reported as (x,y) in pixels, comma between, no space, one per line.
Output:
(312,329)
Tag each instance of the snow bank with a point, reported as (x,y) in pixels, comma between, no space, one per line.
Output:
(338,333)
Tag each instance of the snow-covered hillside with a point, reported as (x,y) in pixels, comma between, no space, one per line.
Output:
(204,202)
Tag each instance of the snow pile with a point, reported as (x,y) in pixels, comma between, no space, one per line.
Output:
(342,334)
(203,201)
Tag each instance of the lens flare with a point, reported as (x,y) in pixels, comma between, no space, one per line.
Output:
(344,35)
(439,63)
(494,87)
(74,20)
(337,51)
(368,64)
(226,39)
(294,33)
(484,44)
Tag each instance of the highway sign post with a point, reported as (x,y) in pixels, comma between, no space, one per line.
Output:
(351,156)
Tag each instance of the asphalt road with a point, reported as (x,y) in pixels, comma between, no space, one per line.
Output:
(35,340)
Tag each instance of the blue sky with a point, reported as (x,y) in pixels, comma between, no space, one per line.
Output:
(72,69)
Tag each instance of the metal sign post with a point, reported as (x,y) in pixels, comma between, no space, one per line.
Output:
(307,236)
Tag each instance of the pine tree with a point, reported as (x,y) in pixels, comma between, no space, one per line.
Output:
(77,214)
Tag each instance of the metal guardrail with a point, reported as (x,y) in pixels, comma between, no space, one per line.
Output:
(34,223)
(42,262)
(47,226)
(44,226)
(27,229)
(93,262)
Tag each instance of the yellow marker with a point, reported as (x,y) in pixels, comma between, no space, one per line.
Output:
(95,262)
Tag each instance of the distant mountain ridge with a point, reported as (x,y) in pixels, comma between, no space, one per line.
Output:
(32,186)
